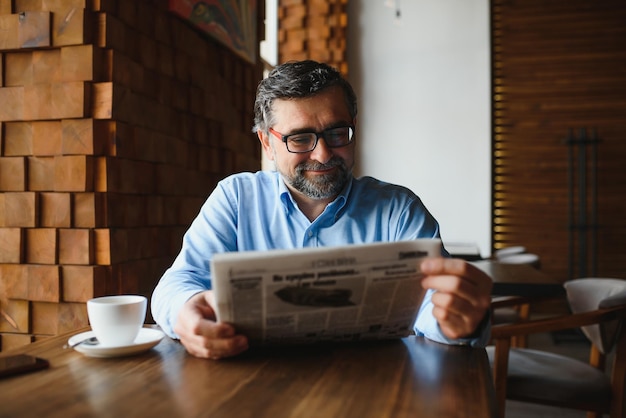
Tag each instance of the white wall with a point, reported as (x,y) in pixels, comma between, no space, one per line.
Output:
(423,83)
(269,46)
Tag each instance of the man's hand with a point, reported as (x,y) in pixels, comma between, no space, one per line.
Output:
(201,335)
(462,297)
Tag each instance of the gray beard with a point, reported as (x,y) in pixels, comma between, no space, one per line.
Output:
(322,187)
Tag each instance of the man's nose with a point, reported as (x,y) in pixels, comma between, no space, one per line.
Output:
(322,153)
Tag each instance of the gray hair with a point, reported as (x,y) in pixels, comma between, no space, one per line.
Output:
(295,80)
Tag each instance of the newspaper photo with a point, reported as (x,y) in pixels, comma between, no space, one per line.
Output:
(309,295)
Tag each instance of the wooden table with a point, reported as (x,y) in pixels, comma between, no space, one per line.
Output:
(520,280)
(401,378)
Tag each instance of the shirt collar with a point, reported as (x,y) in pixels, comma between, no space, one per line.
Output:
(284,194)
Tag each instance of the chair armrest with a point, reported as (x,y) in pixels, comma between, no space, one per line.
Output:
(562,322)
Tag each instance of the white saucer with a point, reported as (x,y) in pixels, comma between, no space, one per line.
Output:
(147,338)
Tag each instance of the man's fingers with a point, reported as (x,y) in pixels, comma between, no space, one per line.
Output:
(442,265)
(455,276)
(462,294)
(435,266)
(201,335)
(218,342)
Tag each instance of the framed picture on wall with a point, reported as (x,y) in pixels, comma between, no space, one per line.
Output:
(231,22)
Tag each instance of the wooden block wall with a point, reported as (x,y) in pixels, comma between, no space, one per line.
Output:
(117,119)
(313,29)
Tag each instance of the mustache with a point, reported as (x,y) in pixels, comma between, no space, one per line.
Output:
(316,165)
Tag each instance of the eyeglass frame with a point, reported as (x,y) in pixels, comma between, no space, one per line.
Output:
(318,135)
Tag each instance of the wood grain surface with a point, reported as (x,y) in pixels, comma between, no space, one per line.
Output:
(409,377)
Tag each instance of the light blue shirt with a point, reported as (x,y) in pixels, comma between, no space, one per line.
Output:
(255,211)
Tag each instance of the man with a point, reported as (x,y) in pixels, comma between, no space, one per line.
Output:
(305,118)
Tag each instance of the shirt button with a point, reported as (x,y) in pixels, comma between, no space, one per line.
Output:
(310,234)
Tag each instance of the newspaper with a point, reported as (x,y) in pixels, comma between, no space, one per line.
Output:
(347,293)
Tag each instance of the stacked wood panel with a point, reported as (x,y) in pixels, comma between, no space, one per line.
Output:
(313,29)
(559,67)
(117,118)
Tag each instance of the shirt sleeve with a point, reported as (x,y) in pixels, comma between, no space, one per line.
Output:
(212,231)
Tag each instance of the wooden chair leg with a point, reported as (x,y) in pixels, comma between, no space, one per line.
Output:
(596,358)
(618,403)
(521,341)
(500,372)
(524,316)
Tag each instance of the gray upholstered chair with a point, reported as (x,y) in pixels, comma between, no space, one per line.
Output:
(598,308)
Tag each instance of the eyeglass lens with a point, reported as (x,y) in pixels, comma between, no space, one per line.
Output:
(334,138)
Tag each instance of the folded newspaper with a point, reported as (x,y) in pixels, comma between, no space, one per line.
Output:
(347,293)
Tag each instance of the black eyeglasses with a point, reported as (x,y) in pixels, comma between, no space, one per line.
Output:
(307,141)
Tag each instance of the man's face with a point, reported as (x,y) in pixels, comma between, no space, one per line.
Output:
(322,173)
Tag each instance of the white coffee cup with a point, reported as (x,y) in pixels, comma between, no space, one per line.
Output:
(116,320)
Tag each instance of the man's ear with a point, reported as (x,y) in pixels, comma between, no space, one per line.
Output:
(265,143)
